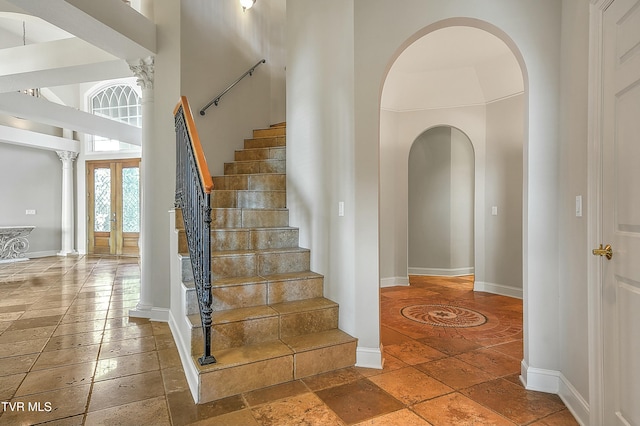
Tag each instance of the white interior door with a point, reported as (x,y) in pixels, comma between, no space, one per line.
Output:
(621,212)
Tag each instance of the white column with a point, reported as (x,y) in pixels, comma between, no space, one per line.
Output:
(143,69)
(68,222)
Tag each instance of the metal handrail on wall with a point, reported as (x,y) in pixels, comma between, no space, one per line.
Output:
(193,195)
(215,101)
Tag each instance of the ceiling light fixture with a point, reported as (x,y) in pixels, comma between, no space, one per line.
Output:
(247,4)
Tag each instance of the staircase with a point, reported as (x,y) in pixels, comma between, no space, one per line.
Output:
(271,323)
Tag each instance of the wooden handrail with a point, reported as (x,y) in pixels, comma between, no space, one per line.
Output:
(205,175)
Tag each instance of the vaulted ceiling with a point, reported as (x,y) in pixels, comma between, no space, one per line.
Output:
(451,67)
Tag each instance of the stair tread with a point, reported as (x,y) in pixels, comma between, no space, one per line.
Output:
(259,252)
(235,281)
(253,161)
(239,175)
(233,357)
(248,190)
(265,311)
(242,355)
(256,228)
(235,315)
(322,339)
(304,305)
(292,276)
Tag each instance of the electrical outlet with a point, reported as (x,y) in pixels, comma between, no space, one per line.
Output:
(340,208)
(30,212)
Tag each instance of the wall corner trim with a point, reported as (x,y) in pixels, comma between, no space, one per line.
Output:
(501,289)
(574,401)
(394,281)
(369,357)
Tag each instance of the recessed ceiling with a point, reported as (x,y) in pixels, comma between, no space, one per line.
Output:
(452,67)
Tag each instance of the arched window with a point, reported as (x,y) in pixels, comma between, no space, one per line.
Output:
(121,103)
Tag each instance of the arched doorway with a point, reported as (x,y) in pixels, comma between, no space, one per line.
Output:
(470,79)
(432,83)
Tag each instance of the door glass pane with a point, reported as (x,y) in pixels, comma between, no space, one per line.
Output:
(102,191)
(131,199)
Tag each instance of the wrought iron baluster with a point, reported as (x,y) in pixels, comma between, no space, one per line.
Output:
(193,197)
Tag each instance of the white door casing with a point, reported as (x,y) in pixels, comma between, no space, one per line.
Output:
(615,334)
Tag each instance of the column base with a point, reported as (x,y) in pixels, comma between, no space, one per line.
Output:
(67,253)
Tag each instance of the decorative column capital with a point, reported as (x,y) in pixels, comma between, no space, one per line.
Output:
(67,155)
(143,69)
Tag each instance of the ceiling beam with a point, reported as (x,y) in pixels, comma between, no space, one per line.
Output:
(42,111)
(22,137)
(57,63)
(110,25)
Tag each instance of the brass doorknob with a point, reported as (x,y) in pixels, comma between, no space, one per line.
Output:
(606,251)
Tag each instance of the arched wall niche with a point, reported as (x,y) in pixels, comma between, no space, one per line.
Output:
(441,203)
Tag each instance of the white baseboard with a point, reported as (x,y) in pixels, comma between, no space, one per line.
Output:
(47,253)
(394,281)
(190,370)
(500,289)
(154,314)
(578,406)
(442,272)
(19,259)
(368,357)
(552,381)
(539,379)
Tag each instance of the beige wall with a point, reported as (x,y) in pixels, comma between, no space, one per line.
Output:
(532,30)
(503,185)
(32,180)
(219,43)
(441,203)
(572,181)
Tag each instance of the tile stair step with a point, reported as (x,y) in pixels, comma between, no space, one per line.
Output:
(242,292)
(233,239)
(244,369)
(265,142)
(266,153)
(272,131)
(259,324)
(253,167)
(317,353)
(248,218)
(271,199)
(247,368)
(253,238)
(251,260)
(255,182)
(306,316)
(245,263)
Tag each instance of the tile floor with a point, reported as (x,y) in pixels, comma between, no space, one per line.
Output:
(69,355)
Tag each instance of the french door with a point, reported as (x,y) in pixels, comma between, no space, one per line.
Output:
(113,206)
